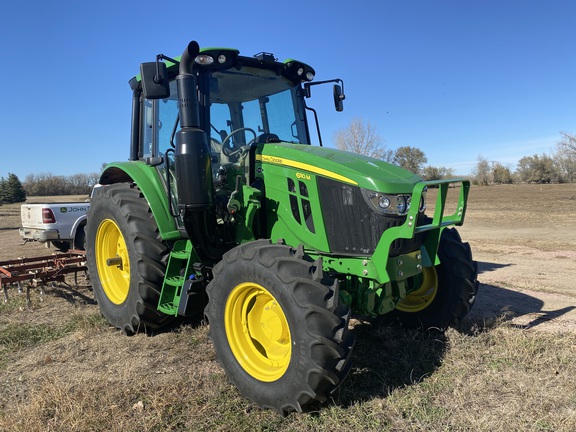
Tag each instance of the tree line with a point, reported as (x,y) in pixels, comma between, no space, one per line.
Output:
(12,190)
(559,167)
(359,137)
(45,184)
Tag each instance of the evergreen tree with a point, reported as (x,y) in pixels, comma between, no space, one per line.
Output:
(11,190)
(3,191)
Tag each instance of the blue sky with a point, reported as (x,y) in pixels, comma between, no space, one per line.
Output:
(457,79)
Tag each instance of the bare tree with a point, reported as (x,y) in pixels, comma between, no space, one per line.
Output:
(48,184)
(93,179)
(361,137)
(568,143)
(410,158)
(482,172)
(565,157)
(78,184)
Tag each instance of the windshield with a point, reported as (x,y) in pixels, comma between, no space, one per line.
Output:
(255,103)
(245,105)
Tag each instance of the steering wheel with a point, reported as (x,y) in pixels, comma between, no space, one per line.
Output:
(226,149)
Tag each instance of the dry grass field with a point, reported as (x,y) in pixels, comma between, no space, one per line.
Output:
(509,367)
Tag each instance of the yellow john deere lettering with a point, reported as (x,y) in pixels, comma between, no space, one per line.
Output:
(304,166)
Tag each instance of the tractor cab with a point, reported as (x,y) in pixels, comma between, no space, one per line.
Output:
(236,104)
(242,101)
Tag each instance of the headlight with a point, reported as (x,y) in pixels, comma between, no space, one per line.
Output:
(423,204)
(384,202)
(403,204)
(204,59)
(392,204)
(388,203)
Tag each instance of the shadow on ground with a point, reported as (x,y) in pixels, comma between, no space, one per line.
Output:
(486,267)
(73,294)
(494,302)
(387,357)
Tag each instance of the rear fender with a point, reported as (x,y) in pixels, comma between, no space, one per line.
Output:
(149,182)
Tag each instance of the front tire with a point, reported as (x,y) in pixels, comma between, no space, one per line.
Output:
(278,326)
(126,258)
(446,292)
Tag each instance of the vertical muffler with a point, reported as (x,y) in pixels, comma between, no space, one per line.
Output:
(193,165)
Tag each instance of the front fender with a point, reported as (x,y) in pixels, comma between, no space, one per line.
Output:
(149,182)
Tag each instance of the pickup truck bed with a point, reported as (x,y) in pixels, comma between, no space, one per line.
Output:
(61,224)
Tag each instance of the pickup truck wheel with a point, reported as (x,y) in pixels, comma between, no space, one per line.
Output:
(80,239)
(126,258)
(278,326)
(62,246)
(445,293)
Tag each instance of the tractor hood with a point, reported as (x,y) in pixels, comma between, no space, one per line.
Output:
(347,167)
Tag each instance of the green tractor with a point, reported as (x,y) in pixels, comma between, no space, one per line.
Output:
(224,210)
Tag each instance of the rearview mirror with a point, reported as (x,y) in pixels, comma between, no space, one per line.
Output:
(154,78)
(338,98)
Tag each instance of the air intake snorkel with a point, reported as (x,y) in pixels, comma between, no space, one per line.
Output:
(193,167)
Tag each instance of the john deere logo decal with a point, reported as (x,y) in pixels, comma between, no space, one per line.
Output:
(303,166)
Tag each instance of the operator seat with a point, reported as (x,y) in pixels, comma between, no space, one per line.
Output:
(266,138)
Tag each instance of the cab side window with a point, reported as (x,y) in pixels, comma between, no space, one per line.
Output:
(147,130)
(167,115)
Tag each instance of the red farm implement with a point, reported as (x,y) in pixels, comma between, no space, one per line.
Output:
(40,271)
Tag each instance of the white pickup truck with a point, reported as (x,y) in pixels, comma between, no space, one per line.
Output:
(60,224)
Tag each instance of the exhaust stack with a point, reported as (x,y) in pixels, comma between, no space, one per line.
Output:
(193,166)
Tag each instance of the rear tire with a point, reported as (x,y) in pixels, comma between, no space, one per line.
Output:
(121,226)
(278,327)
(447,291)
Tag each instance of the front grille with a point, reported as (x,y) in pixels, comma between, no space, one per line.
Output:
(351,224)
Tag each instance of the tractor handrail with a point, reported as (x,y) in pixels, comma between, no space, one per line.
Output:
(410,227)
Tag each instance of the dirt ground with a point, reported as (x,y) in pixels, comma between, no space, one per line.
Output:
(522,237)
(524,241)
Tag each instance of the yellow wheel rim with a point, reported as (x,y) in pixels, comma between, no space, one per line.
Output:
(420,299)
(112,261)
(258,332)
